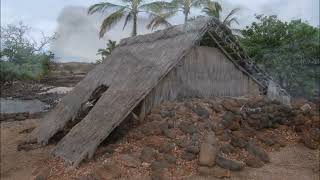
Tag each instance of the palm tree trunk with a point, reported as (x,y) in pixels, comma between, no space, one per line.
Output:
(134,28)
(185,20)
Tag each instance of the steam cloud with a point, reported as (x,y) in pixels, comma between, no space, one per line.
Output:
(78,38)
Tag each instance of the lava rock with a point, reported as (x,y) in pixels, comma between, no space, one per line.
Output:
(130,161)
(309,142)
(258,152)
(166,148)
(201,111)
(253,161)
(211,138)
(169,133)
(167,113)
(207,154)
(170,158)
(228,163)
(188,127)
(193,149)
(43,174)
(227,149)
(157,165)
(147,154)
(188,156)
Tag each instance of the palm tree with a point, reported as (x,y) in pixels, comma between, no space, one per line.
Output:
(214,9)
(111,45)
(126,8)
(158,18)
(175,6)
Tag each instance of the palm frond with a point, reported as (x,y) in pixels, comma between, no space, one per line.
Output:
(232,12)
(102,7)
(111,20)
(160,20)
(128,18)
(199,3)
(213,9)
(229,22)
(155,6)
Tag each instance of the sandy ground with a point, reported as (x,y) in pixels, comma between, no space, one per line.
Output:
(294,162)
(18,165)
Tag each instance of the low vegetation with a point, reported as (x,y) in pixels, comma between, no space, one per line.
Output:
(288,51)
(23,58)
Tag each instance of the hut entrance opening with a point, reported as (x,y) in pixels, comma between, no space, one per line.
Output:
(82,113)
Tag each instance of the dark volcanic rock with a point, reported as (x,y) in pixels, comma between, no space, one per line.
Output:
(182,142)
(227,149)
(188,127)
(229,164)
(188,156)
(167,113)
(170,158)
(253,161)
(147,154)
(166,148)
(158,165)
(201,111)
(258,152)
(192,149)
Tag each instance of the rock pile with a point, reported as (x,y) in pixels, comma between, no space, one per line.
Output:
(211,137)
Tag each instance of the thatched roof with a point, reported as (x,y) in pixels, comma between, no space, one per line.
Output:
(133,69)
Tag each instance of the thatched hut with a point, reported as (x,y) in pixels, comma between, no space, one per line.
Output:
(200,60)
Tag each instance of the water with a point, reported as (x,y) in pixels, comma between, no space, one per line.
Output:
(19,106)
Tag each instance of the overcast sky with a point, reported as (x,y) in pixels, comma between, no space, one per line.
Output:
(79,31)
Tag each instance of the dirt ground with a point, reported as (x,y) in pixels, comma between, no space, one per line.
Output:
(19,165)
(294,162)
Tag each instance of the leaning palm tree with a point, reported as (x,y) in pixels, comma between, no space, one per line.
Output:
(126,8)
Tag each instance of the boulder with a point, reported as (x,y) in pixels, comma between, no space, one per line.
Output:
(207,154)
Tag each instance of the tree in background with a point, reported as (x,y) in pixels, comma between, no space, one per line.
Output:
(22,57)
(111,45)
(176,6)
(289,51)
(127,8)
(214,9)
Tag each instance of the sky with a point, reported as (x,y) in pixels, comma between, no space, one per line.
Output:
(78,33)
